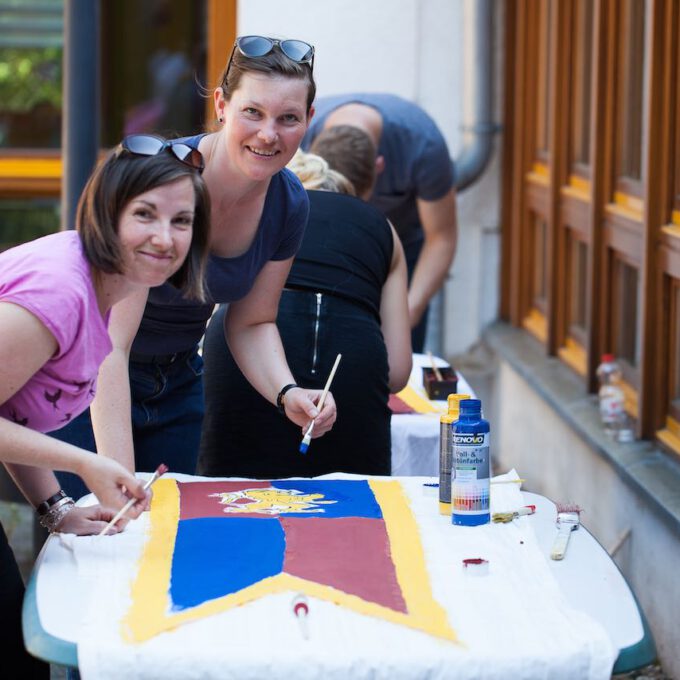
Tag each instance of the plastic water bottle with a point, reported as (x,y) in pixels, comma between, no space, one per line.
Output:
(615,420)
(471,470)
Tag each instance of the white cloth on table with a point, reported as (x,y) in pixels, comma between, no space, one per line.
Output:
(512,623)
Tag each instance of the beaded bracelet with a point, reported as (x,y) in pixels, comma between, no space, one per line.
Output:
(52,518)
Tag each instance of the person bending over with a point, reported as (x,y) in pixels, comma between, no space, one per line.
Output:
(415,185)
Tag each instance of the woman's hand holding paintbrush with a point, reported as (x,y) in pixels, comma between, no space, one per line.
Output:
(161,470)
(308,434)
(303,406)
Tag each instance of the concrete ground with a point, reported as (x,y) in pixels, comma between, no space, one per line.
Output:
(17,520)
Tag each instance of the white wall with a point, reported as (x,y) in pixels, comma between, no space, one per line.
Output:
(413,48)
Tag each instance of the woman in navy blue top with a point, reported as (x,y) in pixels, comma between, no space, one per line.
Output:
(346,293)
(259,211)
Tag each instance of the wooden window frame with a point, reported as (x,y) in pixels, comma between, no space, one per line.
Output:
(638,221)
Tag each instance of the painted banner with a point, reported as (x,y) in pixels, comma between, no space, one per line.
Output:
(214,545)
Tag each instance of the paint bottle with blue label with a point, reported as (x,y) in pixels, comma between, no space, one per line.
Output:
(471,470)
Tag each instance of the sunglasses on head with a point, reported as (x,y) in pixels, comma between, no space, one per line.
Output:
(254,46)
(259,46)
(151,145)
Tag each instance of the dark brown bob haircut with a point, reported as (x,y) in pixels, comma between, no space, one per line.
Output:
(276,63)
(351,152)
(115,182)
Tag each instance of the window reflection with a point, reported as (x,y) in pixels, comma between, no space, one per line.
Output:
(674,363)
(676,203)
(626,305)
(540,285)
(31,35)
(631,78)
(581,78)
(152,85)
(25,219)
(545,10)
(577,253)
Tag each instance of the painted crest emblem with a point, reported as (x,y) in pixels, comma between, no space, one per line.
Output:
(271,501)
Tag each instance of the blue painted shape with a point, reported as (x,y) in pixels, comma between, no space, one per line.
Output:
(229,553)
(354,497)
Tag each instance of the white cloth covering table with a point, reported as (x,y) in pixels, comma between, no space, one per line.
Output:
(516,621)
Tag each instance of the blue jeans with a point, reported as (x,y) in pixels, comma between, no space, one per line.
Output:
(167,415)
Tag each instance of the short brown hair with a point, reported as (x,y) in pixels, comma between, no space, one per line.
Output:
(115,182)
(276,63)
(350,151)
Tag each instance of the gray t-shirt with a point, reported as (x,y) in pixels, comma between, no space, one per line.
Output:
(417,161)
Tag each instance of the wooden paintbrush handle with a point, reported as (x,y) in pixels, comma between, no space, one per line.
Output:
(328,382)
(559,548)
(435,369)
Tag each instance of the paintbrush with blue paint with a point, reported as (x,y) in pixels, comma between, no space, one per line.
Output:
(304,445)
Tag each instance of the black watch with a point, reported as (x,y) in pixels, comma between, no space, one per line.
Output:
(281,395)
(47,504)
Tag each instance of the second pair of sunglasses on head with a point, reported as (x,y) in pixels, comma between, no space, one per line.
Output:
(152,145)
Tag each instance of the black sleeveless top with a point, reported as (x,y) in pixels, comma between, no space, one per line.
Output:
(346,250)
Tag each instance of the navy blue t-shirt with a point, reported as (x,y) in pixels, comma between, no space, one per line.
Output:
(172,323)
(417,161)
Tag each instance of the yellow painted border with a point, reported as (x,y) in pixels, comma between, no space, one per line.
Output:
(148,616)
(425,612)
(419,404)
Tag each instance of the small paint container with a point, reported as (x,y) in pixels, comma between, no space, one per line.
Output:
(475,566)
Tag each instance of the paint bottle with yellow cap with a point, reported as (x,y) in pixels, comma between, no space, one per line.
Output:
(446,451)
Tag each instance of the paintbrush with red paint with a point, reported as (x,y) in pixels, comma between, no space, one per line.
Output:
(161,470)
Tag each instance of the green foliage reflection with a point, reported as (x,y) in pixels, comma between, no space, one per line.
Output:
(29,77)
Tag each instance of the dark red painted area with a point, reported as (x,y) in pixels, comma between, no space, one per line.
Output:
(351,554)
(398,405)
(196,501)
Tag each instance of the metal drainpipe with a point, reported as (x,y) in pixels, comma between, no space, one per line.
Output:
(477,126)
(80,122)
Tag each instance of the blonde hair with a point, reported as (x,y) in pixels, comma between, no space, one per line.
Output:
(315,173)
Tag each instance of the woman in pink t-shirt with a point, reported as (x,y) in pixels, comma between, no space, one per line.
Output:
(142,220)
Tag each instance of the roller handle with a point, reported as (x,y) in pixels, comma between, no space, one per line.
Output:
(559,548)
